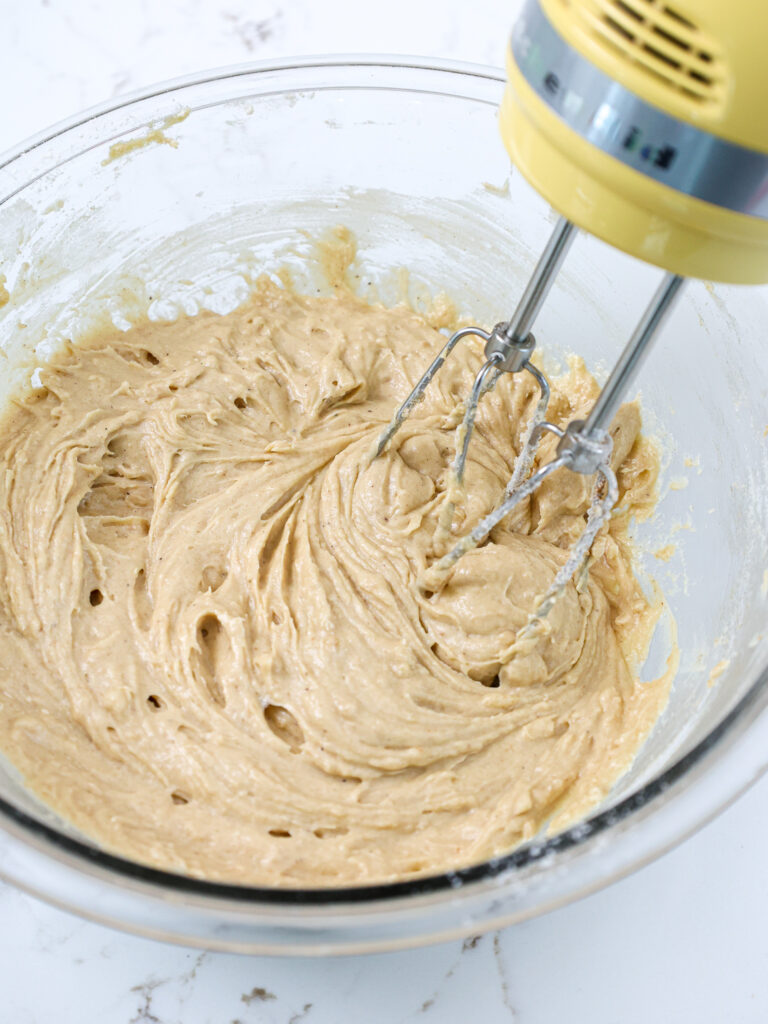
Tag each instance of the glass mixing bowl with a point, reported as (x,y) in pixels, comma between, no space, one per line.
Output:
(174,200)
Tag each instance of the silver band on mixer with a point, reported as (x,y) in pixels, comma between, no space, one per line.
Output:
(616,121)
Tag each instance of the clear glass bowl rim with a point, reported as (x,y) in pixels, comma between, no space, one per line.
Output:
(736,722)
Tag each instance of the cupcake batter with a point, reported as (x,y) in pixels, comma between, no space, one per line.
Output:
(215,657)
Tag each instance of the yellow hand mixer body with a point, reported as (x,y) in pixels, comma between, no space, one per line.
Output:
(646,125)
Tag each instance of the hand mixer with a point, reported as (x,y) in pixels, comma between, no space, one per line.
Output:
(646,125)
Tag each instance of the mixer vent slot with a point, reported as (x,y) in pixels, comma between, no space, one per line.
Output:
(662,41)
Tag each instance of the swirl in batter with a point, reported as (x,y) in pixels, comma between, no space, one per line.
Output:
(216,659)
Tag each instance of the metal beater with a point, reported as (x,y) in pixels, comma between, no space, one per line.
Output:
(583,447)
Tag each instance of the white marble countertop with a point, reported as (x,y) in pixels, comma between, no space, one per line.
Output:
(680,941)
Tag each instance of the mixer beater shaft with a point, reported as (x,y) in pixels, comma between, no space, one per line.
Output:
(511,345)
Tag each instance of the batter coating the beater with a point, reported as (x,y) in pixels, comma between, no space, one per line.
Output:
(216,657)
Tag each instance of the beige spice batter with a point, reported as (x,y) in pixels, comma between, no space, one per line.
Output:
(216,659)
